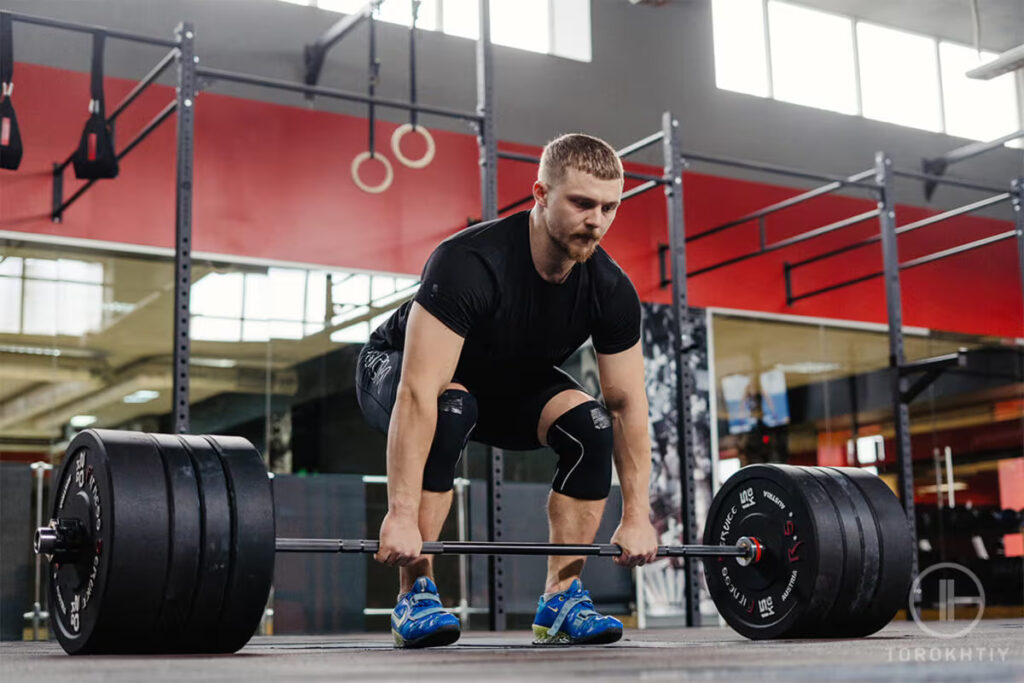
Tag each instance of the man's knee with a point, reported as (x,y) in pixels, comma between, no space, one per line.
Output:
(456,417)
(583,439)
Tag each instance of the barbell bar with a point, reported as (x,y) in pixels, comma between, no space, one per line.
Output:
(745,549)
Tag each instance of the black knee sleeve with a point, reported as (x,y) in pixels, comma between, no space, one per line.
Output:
(583,439)
(456,417)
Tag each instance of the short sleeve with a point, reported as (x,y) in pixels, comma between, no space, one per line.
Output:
(618,327)
(457,288)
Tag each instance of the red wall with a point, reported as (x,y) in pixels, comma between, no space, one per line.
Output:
(273,181)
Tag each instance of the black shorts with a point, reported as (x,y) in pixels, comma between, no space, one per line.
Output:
(508,416)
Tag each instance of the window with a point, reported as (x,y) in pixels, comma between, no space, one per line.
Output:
(557,27)
(903,90)
(289,303)
(812,58)
(979,110)
(50,296)
(741,62)
(828,61)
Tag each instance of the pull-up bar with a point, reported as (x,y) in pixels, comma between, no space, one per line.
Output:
(348,95)
(772,168)
(947,180)
(530,159)
(788,242)
(952,213)
(88,28)
(785,204)
(906,265)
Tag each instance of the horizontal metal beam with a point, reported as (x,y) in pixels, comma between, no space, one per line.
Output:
(910,264)
(89,28)
(976,244)
(924,222)
(796,239)
(316,53)
(948,360)
(948,180)
(784,204)
(336,545)
(640,144)
(302,88)
(530,159)
(639,189)
(771,168)
(975,148)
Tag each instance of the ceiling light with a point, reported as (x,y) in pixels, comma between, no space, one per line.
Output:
(141,396)
(1011,60)
(82,421)
(213,362)
(807,367)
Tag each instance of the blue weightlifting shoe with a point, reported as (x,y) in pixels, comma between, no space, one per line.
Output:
(569,618)
(419,620)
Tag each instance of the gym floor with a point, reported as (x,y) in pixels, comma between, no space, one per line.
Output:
(992,651)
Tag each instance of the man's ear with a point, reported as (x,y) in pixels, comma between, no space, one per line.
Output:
(540,193)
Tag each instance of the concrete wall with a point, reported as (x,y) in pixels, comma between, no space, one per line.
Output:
(646,60)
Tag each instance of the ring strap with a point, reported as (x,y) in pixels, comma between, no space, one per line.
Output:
(412,60)
(6,51)
(99,39)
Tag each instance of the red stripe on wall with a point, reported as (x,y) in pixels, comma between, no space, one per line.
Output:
(272,181)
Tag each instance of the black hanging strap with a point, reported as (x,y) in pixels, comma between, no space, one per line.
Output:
(99,40)
(10,137)
(95,156)
(412,60)
(373,76)
(6,52)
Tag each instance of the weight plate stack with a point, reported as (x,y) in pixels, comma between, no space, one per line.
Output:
(860,552)
(797,580)
(895,552)
(252,541)
(185,534)
(201,628)
(106,594)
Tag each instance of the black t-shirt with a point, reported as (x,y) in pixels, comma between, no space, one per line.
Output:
(482,284)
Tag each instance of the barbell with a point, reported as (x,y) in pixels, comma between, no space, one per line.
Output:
(165,544)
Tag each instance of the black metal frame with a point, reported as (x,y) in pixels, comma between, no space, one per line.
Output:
(903,392)
(59,204)
(936,166)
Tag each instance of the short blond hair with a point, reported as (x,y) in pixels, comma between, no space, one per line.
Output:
(581,152)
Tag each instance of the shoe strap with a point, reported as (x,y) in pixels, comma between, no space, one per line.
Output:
(567,608)
(420,597)
(426,613)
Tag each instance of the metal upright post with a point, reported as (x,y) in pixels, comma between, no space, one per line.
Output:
(487,140)
(1018,220)
(183,225)
(684,378)
(901,410)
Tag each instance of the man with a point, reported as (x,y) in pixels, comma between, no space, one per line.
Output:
(501,305)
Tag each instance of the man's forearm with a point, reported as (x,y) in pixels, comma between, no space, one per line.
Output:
(633,460)
(409,436)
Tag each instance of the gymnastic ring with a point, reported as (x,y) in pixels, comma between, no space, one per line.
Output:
(396,145)
(372,189)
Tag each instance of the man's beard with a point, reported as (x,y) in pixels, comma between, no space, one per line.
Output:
(577,249)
